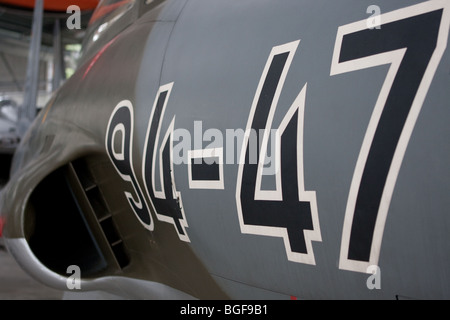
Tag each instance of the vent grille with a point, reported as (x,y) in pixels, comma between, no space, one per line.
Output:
(101,212)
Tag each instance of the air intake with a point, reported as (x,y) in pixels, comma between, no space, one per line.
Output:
(101,212)
(68,222)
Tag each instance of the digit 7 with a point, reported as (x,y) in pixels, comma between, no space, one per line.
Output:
(412,41)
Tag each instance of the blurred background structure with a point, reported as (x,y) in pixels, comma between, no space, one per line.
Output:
(40,42)
(38,51)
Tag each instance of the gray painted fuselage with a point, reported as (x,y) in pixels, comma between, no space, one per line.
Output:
(321,72)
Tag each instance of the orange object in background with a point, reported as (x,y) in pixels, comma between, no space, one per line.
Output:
(54,5)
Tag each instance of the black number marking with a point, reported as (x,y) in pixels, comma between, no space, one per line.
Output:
(289,212)
(119,144)
(166,202)
(412,42)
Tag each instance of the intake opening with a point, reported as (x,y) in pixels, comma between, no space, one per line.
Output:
(57,230)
